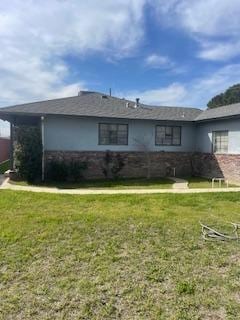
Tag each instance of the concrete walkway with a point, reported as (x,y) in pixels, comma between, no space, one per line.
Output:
(7,186)
(2,179)
(179,183)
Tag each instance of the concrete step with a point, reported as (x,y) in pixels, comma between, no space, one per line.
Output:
(179,183)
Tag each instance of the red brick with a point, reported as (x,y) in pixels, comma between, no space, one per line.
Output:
(4,149)
(217,165)
(136,163)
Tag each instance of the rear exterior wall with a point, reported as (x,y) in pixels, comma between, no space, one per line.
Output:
(68,138)
(81,134)
(208,164)
(204,135)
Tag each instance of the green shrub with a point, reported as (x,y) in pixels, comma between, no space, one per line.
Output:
(28,152)
(75,170)
(57,171)
(62,171)
(112,165)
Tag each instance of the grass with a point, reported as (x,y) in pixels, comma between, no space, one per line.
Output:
(4,166)
(198,182)
(154,183)
(117,257)
(140,183)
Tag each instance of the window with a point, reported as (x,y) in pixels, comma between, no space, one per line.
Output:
(113,134)
(220,141)
(168,136)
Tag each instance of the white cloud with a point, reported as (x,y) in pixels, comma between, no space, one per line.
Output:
(35,36)
(76,25)
(195,93)
(203,89)
(157,61)
(169,95)
(220,51)
(209,18)
(214,23)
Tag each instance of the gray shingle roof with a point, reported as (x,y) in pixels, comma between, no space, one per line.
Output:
(93,104)
(220,112)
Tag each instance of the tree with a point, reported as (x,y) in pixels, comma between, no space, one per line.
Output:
(231,95)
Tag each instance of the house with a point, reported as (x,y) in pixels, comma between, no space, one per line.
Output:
(177,140)
(4,149)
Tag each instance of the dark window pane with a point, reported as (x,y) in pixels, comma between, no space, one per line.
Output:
(167,135)
(176,141)
(220,141)
(113,134)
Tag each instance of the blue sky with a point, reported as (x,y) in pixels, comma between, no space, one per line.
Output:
(175,52)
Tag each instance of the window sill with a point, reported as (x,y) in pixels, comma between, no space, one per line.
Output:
(113,145)
(168,145)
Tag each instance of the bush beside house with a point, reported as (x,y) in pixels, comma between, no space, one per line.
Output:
(28,152)
(61,171)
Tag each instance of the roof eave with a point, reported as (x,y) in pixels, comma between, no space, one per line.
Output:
(7,116)
(236,116)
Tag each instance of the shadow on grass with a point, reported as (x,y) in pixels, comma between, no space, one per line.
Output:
(140,183)
(199,182)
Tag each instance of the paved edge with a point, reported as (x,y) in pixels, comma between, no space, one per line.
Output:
(2,179)
(7,186)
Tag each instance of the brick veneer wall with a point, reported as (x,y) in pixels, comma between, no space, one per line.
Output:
(4,149)
(217,165)
(162,163)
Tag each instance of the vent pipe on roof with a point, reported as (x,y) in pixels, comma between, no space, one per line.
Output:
(137,103)
(127,105)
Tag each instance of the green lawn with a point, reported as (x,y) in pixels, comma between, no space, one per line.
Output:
(117,257)
(198,182)
(141,183)
(4,166)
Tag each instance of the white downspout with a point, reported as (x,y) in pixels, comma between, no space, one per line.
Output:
(43,149)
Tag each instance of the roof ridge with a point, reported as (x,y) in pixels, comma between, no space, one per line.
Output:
(101,94)
(93,104)
(65,98)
